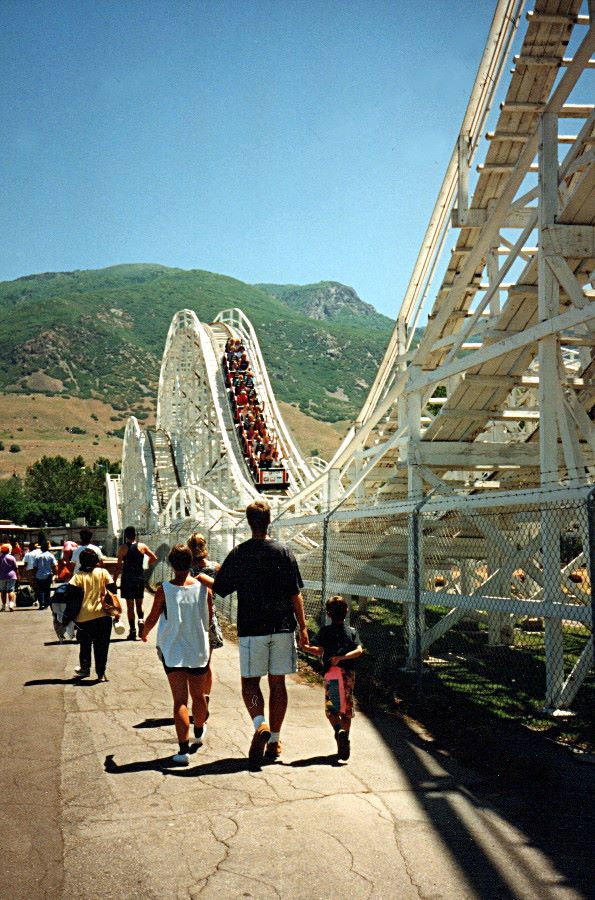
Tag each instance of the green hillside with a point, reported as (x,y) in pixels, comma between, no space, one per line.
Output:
(101,334)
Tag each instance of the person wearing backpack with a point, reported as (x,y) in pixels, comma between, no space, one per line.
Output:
(339,646)
(94,624)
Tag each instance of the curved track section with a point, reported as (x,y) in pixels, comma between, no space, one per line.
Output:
(191,465)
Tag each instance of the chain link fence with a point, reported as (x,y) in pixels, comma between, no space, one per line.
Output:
(492,599)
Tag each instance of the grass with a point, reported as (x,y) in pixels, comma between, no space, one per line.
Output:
(470,688)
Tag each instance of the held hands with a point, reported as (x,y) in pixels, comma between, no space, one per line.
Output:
(304,638)
(335,660)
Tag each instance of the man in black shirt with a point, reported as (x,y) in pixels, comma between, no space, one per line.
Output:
(267,579)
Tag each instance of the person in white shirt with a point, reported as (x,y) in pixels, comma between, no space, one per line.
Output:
(85,544)
(29,561)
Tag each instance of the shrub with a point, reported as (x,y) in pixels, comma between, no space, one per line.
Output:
(14,448)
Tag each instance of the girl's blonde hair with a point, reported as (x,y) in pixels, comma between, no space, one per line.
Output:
(198,544)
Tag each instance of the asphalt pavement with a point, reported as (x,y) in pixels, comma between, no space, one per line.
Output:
(91,807)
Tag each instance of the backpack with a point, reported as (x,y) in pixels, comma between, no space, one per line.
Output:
(72,597)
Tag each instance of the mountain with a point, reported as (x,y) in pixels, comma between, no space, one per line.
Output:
(327,301)
(100,334)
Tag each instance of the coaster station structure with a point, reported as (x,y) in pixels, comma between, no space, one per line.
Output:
(490,405)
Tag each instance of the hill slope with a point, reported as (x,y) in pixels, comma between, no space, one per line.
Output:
(328,301)
(100,334)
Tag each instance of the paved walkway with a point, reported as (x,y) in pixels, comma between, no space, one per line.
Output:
(89,809)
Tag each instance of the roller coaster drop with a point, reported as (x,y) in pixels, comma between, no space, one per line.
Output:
(509,340)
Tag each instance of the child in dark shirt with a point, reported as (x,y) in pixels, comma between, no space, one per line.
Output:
(339,645)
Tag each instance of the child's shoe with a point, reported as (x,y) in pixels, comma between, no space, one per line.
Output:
(273,751)
(343,745)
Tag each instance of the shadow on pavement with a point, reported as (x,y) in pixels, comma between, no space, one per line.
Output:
(550,807)
(88,682)
(330,760)
(229,766)
(156,723)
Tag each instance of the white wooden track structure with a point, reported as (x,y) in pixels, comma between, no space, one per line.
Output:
(493,403)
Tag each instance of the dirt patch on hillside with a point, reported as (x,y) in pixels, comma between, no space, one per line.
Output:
(312,434)
(37,424)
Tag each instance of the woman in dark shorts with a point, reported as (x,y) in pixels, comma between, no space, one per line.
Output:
(183,609)
(132,586)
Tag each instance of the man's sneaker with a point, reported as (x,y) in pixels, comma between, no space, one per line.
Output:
(141,625)
(81,673)
(343,746)
(180,759)
(131,635)
(102,677)
(258,744)
(273,750)
(199,738)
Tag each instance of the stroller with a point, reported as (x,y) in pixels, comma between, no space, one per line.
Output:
(63,625)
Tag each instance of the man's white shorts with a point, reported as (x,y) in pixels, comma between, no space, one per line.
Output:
(268,654)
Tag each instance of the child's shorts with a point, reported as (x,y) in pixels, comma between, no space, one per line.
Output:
(348,683)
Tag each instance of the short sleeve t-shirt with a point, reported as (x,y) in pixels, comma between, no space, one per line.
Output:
(78,551)
(8,567)
(93,583)
(43,564)
(266,576)
(336,640)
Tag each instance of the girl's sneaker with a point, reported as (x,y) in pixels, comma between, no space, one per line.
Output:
(199,738)
(343,746)
(180,759)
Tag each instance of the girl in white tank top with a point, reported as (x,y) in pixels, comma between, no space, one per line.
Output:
(183,609)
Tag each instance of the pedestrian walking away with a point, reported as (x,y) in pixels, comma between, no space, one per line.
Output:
(28,560)
(339,645)
(183,609)
(8,578)
(44,568)
(93,622)
(267,579)
(85,544)
(131,560)
(202,564)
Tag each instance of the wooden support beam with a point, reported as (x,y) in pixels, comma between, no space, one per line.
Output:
(530,335)
(576,111)
(522,106)
(476,218)
(504,415)
(502,168)
(477,454)
(575,241)
(556,18)
(547,61)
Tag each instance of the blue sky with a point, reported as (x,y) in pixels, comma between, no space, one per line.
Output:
(288,141)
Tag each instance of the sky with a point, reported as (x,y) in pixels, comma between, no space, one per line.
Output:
(284,141)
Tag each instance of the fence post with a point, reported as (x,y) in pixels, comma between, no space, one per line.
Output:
(590,554)
(325,567)
(416,598)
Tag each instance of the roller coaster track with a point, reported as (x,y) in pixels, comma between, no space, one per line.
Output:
(193,460)
(499,391)
(492,401)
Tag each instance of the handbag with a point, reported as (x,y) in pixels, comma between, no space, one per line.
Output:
(335,690)
(215,633)
(111,604)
